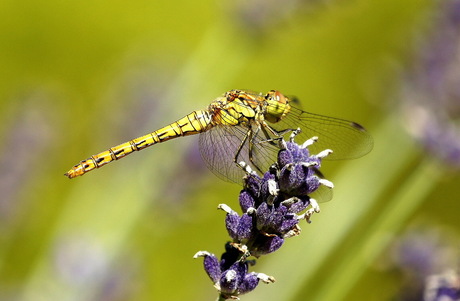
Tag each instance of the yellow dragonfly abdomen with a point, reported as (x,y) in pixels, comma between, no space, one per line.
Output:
(193,123)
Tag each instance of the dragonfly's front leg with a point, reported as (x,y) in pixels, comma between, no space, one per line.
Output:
(247,138)
(278,134)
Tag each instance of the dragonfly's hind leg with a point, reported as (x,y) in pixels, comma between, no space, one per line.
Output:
(237,154)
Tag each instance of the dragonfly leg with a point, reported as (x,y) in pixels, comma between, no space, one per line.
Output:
(237,154)
(270,139)
(249,136)
(267,130)
(251,148)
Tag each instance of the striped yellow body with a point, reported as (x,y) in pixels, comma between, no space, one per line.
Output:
(194,123)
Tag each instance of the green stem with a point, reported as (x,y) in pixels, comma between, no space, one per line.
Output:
(221,298)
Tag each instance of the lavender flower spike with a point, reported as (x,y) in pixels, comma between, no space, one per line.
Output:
(272,207)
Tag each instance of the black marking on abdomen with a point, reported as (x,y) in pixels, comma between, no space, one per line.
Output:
(139,144)
(118,152)
(179,127)
(191,122)
(163,136)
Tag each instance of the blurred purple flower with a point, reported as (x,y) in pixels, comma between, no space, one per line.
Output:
(418,254)
(27,137)
(443,287)
(80,261)
(432,86)
(257,16)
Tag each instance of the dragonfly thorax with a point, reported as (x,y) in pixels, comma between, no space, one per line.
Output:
(277,106)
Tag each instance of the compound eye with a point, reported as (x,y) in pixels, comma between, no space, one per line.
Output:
(277,96)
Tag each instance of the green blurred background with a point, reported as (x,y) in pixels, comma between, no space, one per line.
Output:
(80,77)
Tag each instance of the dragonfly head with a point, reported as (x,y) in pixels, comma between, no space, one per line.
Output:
(277,106)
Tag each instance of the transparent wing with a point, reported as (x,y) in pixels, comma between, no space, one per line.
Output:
(218,147)
(322,194)
(220,144)
(347,139)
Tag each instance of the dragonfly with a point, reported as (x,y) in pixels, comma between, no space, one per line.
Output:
(245,126)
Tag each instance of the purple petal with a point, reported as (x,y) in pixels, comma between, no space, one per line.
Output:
(312,184)
(229,282)
(263,215)
(302,204)
(249,283)
(274,244)
(231,278)
(231,223)
(285,157)
(252,185)
(268,245)
(245,228)
(212,268)
(288,224)
(246,200)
